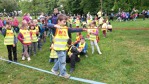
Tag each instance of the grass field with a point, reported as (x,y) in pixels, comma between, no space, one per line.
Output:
(124,60)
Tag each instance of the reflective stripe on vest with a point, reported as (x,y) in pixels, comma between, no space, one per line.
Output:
(61,38)
(26,35)
(9,38)
(34,36)
(81,46)
(92,36)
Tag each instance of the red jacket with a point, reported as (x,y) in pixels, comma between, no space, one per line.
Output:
(15,22)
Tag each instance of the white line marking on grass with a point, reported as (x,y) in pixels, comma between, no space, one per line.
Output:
(73,78)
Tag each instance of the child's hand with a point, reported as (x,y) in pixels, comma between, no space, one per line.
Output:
(57,26)
(13,45)
(84,29)
(70,55)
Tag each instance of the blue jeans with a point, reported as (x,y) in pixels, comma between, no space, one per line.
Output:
(61,63)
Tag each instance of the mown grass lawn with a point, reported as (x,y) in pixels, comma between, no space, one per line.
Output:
(124,60)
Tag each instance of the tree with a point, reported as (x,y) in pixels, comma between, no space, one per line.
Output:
(8,5)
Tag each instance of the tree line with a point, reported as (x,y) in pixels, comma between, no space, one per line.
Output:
(72,6)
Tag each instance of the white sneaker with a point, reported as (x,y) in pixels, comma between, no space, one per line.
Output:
(55,72)
(28,58)
(23,58)
(100,53)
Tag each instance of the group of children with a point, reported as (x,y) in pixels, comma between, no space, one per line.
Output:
(62,48)
(29,34)
(101,23)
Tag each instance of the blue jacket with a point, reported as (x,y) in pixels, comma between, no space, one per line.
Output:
(70,30)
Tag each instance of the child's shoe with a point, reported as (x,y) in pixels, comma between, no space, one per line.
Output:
(66,75)
(23,58)
(28,58)
(55,72)
(100,53)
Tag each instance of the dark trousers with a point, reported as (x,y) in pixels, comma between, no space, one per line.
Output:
(72,60)
(11,49)
(33,48)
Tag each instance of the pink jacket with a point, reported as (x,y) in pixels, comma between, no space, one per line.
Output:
(1,23)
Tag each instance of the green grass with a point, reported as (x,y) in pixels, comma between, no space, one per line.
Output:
(124,60)
(139,23)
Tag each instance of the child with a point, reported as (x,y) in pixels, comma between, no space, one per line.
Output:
(70,21)
(72,55)
(78,38)
(101,21)
(82,47)
(10,41)
(110,27)
(60,41)
(34,33)
(15,24)
(93,34)
(4,21)
(53,54)
(104,28)
(1,25)
(77,22)
(88,21)
(25,38)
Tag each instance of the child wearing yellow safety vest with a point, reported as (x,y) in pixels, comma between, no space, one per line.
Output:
(78,38)
(60,42)
(72,55)
(34,40)
(82,47)
(25,38)
(104,28)
(53,54)
(109,27)
(78,22)
(93,34)
(10,40)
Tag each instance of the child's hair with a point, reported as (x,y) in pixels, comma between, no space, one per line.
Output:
(7,23)
(79,33)
(93,23)
(31,26)
(62,17)
(69,41)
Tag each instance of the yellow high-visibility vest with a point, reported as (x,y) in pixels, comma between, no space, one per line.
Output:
(77,22)
(109,26)
(61,38)
(37,28)
(26,35)
(9,38)
(89,22)
(34,36)
(81,46)
(92,36)
(53,54)
(104,27)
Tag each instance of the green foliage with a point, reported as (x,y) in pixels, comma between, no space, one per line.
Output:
(8,5)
